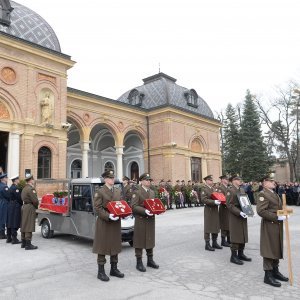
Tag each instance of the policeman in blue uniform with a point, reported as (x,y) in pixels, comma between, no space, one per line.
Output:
(14,211)
(4,198)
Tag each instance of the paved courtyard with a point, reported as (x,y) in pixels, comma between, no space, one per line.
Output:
(65,267)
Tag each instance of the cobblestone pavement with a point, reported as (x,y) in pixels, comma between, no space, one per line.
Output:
(65,267)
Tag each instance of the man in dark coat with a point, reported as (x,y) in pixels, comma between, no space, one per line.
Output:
(127,189)
(4,199)
(223,213)
(271,232)
(28,213)
(144,227)
(211,215)
(14,211)
(107,239)
(238,227)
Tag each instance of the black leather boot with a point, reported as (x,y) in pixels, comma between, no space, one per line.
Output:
(115,272)
(23,243)
(2,235)
(140,265)
(151,263)
(234,258)
(224,243)
(101,273)
(29,246)
(9,239)
(278,275)
(242,256)
(269,279)
(15,240)
(228,240)
(216,245)
(208,246)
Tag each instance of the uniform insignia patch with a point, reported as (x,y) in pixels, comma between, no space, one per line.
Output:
(261,198)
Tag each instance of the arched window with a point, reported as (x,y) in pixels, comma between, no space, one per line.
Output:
(135,97)
(44,163)
(134,171)
(109,166)
(191,97)
(76,169)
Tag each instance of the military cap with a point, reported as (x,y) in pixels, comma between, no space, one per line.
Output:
(145,176)
(223,177)
(126,178)
(177,180)
(182,180)
(108,174)
(208,177)
(235,177)
(3,175)
(267,178)
(28,177)
(169,180)
(189,181)
(14,177)
(161,181)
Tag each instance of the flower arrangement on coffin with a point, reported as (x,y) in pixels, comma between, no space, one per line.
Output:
(60,194)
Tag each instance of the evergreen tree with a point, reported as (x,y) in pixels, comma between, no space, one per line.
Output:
(231,143)
(254,160)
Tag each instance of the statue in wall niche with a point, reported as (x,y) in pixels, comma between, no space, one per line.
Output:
(46,109)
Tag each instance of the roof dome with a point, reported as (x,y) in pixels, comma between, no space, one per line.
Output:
(28,25)
(161,90)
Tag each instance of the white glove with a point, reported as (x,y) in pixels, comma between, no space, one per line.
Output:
(217,202)
(113,218)
(243,215)
(281,218)
(147,212)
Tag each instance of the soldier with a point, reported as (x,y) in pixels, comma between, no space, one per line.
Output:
(14,211)
(107,239)
(144,227)
(28,213)
(211,215)
(271,232)
(169,189)
(183,191)
(238,227)
(4,199)
(223,213)
(127,189)
(188,190)
(178,195)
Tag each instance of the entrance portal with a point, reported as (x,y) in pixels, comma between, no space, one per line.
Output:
(3,150)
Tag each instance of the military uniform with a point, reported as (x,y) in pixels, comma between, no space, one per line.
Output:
(28,214)
(144,227)
(14,213)
(107,240)
(271,233)
(4,199)
(211,217)
(224,220)
(169,189)
(238,226)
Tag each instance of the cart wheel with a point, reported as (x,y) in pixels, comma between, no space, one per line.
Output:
(131,243)
(47,233)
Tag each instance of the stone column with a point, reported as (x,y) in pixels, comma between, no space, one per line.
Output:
(85,147)
(13,163)
(119,152)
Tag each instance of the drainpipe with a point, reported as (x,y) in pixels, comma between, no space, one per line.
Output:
(148,141)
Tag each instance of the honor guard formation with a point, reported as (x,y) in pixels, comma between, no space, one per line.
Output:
(226,210)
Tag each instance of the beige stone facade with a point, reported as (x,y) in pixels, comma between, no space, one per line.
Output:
(86,133)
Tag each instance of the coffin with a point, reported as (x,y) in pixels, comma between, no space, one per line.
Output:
(218,196)
(119,208)
(155,206)
(53,204)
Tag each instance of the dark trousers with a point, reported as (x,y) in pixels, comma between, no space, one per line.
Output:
(270,263)
(26,236)
(235,246)
(225,233)
(101,260)
(12,232)
(214,236)
(139,252)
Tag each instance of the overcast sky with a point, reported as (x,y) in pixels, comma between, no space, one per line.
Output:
(218,47)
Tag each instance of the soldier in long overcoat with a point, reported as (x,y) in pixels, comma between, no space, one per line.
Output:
(211,215)
(271,231)
(28,213)
(107,239)
(127,189)
(223,213)
(238,226)
(4,199)
(14,211)
(144,227)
